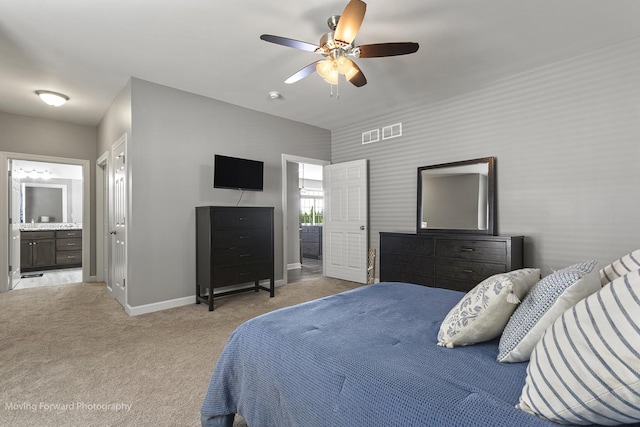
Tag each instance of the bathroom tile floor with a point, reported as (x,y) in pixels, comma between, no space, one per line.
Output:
(49,278)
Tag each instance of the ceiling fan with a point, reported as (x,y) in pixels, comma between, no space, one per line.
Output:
(337,46)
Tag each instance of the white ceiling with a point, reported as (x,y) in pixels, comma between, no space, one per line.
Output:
(89,49)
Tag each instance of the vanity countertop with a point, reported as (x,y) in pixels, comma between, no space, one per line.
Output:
(41,226)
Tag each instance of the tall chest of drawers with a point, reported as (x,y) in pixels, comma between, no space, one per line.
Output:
(451,261)
(234,246)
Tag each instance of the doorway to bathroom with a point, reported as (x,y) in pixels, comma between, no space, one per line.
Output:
(47,208)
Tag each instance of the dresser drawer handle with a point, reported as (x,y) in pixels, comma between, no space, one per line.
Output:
(244,255)
(245,237)
(71,244)
(467,270)
(467,249)
(71,257)
(246,273)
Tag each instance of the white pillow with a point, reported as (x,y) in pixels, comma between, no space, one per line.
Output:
(546,301)
(484,311)
(586,368)
(620,267)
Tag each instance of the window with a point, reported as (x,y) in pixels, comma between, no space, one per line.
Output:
(311,207)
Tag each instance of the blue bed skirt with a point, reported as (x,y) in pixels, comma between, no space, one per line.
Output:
(366,357)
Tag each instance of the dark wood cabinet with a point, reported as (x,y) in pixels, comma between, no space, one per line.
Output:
(234,246)
(69,248)
(37,250)
(451,261)
(46,250)
(311,238)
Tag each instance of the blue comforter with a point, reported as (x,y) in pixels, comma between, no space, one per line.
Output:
(366,357)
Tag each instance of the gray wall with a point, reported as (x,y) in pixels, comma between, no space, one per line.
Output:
(567,141)
(30,135)
(116,122)
(175,135)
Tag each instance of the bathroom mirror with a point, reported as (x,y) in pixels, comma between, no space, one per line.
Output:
(44,203)
(457,197)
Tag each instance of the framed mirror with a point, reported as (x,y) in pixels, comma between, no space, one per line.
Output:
(457,197)
(44,203)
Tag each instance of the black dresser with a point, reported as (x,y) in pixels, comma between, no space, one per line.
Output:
(234,245)
(451,261)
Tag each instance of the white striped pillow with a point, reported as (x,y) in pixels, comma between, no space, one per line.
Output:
(620,267)
(586,367)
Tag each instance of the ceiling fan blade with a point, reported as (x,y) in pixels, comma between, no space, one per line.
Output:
(357,78)
(306,71)
(350,21)
(387,49)
(296,44)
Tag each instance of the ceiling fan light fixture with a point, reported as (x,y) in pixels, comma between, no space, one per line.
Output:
(338,47)
(345,65)
(324,67)
(332,77)
(54,99)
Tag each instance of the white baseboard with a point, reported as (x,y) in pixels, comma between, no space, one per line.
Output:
(178,302)
(158,306)
(294,266)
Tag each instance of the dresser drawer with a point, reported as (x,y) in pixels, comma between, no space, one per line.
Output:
(415,264)
(63,234)
(258,237)
(467,270)
(454,284)
(477,250)
(238,255)
(407,245)
(245,217)
(407,277)
(37,235)
(68,257)
(68,244)
(224,276)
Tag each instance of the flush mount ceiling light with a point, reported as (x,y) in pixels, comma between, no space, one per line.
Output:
(54,99)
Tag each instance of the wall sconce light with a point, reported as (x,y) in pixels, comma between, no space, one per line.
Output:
(54,99)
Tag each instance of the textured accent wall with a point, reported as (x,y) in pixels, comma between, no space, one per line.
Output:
(567,141)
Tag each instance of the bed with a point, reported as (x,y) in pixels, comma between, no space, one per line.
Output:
(366,357)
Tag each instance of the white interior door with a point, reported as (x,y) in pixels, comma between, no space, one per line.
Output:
(118,221)
(14,228)
(345,223)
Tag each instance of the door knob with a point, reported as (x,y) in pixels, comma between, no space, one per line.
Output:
(362,227)
(112,232)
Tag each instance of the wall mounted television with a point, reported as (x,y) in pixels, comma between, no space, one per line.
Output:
(237,174)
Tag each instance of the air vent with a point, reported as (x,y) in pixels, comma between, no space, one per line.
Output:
(370,136)
(392,131)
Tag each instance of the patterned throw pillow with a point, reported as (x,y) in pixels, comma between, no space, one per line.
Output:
(546,301)
(586,367)
(482,313)
(620,267)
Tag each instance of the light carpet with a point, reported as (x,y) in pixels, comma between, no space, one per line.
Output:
(70,356)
